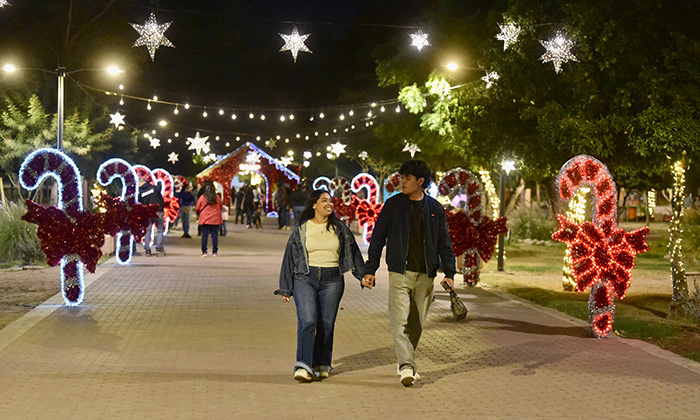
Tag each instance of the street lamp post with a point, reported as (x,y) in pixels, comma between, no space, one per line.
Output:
(506,168)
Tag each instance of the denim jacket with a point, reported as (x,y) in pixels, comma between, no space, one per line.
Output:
(296,259)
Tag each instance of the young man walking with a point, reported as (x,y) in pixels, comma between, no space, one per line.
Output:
(412,225)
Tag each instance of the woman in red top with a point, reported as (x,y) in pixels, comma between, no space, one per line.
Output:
(209,210)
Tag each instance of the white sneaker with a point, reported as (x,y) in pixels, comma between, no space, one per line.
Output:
(407,376)
(302,375)
(204,255)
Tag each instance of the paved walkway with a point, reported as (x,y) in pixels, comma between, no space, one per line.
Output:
(182,337)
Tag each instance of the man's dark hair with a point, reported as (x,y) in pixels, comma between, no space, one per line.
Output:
(417,168)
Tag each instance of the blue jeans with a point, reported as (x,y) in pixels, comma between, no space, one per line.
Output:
(185,217)
(212,230)
(317,298)
(160,229)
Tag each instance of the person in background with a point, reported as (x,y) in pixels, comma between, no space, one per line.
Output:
(319,251)
(249,206)
(224,218)
(150,194)
(186,199)
(209,210)
(239,204)
(298,200)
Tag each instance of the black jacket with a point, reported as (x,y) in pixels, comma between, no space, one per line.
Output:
(150,194)
(393,227)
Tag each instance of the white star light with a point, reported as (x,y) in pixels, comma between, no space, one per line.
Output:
(308,155)
(490,78)
(155,143)
(307,164)
(199,144)
(286,160)
(117,118)
(363,155)
(253,158)
(411,148)
(271,144)
(509,34)
(294,43)
(337,148)
(4,3)
(152,35)
(558,51)
(420,40)
(173,157)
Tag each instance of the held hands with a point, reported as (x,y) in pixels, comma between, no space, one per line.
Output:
(368,281)
(448,284)
(285,299)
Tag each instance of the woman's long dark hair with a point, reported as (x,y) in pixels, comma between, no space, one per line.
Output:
(210,194)
(309,213)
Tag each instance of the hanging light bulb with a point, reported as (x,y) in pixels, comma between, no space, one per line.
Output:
(176,111)
(121,87)
(221,112)
(155,98)
(121,101)
(382,108)
(322,115)
(311,118)
(177,134)
(148,107)
(233,116)
(398,109)
(282,118)
(342,117)
(251,116)
(205,114)
(351,113)
(187,106)
(262,117)
(291,116)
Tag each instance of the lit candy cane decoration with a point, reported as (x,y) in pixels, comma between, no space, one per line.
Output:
(342,199)
(108,172)
(322,183)
(472,233)
(341,184)
(602,254)
(367,209)
(170,204)
(68,234)
(143,171)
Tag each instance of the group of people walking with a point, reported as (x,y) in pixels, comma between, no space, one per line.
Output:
(320,249)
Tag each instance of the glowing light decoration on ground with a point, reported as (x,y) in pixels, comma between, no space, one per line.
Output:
(509,34)
(341,191)
(322,183)
(558,51)
(152,35)
(171,205)
(106,174)
(473,234)
(419,40)
(69,235)
(577,214)
(367,209)
(294,43)
(602,254)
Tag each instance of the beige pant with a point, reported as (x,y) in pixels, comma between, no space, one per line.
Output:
(410,296)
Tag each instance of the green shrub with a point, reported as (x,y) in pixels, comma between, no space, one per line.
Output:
(18,240)
(531,223)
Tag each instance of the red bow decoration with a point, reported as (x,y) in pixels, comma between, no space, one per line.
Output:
(597,257)
(367,212)
(483,237)
(60,236)
(134,220)
(171,207)
(345,212)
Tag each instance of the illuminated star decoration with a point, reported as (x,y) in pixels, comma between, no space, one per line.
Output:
(152,35)
(209,158)
(558,51)
(173,157)
(509,34)
(4,3)
(117,118)
(490,78)
(253,158)
(271,144)
(199,144)
(294,43)
(286,160)
(419,40)
(363,155)
(155,142)
(411,148)
(307,155)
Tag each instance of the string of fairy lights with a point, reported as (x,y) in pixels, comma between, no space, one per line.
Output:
(577,214)
(675,229)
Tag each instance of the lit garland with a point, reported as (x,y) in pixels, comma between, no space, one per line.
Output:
(577,214)
(678,276)
(152,35)
(602,254)
(558,51)
(294,43)
(69,235)
(473,234)
(367,210)
(651,203)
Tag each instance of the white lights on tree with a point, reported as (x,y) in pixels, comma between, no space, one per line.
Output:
(509,34)
(420,40)
(294,43)
(155,143)
(558,51)
(490,78)
(117,119)
(363,155)
(152,35)
(337,149)
(411,148)
(199,144)
(173,157)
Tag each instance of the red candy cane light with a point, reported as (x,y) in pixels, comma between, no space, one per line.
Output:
(171,206)
(106,174)
(367,210)
(602,254)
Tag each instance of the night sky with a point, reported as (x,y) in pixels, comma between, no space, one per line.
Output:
(226,57)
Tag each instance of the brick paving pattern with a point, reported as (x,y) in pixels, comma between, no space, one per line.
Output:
(184,337)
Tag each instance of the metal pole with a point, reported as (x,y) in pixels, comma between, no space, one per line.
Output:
(61,71)
(501,211)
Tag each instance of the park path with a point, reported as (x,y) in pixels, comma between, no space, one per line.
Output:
(184,337)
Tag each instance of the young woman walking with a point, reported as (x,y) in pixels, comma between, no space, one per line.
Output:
(209,210)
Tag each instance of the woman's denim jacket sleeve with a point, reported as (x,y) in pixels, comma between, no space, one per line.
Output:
(295,259)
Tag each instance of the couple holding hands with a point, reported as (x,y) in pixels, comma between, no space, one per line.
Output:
(321,249)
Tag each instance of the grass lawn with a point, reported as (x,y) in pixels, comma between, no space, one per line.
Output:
(533,272)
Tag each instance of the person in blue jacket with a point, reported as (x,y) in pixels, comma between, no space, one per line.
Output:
(319,251)
(413,228)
